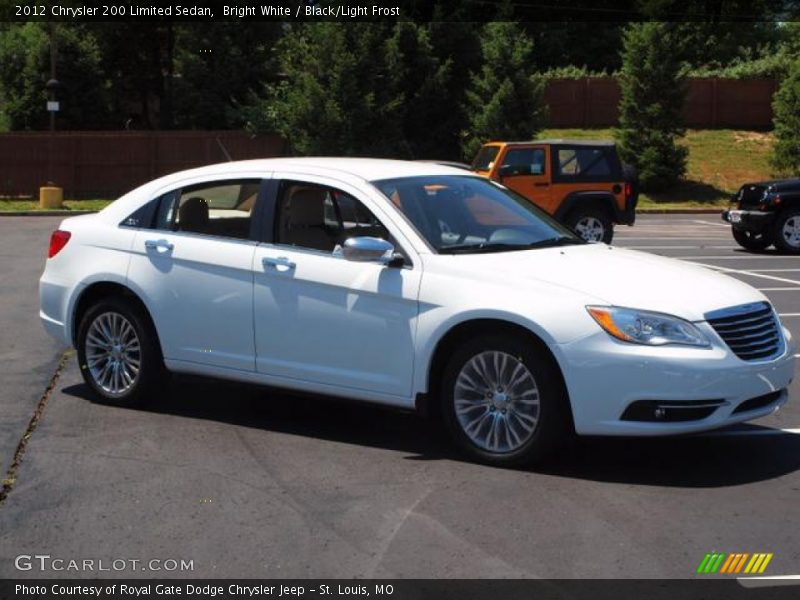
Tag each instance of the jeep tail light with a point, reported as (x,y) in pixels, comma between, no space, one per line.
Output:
(58,240)
(628,190)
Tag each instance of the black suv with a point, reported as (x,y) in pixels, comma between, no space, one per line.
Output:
(767,213)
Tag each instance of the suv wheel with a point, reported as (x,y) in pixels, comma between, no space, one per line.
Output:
(118,352)
(751,240)
(502,402)
(786,232)
(592,225)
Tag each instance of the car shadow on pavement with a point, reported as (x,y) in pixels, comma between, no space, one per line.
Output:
(696,461)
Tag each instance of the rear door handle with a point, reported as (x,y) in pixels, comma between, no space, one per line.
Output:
(156,244)
(281,261)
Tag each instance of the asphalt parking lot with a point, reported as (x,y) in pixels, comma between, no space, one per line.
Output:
(256,483)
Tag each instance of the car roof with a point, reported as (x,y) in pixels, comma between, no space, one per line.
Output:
(368,169)
(364,169)
(557,141)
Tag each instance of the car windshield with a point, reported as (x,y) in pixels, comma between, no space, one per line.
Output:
(468,214)
(484,161)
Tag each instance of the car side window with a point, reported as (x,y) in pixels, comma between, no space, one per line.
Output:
(220,208)
(528,160)
(583,161)
(320,217)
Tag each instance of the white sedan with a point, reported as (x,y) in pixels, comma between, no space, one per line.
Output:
(409,284)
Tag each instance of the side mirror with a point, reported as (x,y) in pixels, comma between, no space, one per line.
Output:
(369,249)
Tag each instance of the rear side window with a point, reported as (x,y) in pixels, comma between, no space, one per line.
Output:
(582,162)
(221,209)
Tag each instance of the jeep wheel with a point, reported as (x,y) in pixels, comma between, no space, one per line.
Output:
(592,225)
(750,240)
(786,231)
(501,401)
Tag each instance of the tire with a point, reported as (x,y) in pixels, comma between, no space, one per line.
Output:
(111,370)
(786,231)
(592,225)
(750,240)
(530,416)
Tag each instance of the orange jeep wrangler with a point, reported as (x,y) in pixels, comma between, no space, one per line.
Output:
(581,183)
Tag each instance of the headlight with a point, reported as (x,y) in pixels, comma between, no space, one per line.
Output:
(642,327)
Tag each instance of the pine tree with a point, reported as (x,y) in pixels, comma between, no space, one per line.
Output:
(786,106)
(653,93)
(504,99)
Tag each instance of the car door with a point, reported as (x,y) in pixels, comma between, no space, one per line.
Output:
(525,170)
(193,267)
(320,318)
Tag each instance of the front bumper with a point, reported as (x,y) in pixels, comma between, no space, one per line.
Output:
(605,376)
(757,221)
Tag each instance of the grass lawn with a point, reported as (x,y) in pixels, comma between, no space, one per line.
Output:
(720,161)
(12,205)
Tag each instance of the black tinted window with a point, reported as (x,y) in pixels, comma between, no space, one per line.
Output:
(583,161)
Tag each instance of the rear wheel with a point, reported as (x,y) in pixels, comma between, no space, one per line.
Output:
(751,240)
(118,352)
(786,231)
(502,401)
(592,225)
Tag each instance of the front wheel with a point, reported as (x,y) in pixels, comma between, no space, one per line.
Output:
(592,225)
(502,401)
(118,352)
(786,231)
(750,240)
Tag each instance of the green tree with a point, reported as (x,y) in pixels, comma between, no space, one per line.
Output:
(786,153)
(356,89)
(504,99)
(653,92)
(25,69)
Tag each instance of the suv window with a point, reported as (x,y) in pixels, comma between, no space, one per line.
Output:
(583,162)
(320,218)
(221,208)
(531,160)
(484,161)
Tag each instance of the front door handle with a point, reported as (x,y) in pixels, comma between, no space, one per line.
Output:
(281,261)
(542,185)
(158,244)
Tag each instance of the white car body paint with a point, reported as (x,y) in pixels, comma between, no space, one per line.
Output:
(369,332)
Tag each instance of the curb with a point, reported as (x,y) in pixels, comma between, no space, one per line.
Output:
(45,213)
(679,211)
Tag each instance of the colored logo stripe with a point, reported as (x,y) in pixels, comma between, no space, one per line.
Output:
(734,563)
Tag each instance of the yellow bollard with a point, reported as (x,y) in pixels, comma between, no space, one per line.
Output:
(51,197)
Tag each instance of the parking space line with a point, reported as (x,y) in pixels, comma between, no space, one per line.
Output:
(789,314)
(744,257)
(773,270)
(750,273)
(725,225)
(780,289)
(679,248)
(770,431)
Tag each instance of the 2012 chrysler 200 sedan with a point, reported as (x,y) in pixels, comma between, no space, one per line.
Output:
(411,285)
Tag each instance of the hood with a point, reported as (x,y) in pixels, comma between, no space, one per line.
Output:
(618,277)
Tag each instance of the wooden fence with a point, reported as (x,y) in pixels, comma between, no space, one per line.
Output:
(107,164)
(710,103)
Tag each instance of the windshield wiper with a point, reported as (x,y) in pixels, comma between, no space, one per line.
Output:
(483,247)
(556,241)
(503,247)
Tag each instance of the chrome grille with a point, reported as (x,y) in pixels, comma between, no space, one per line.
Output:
(752,331)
